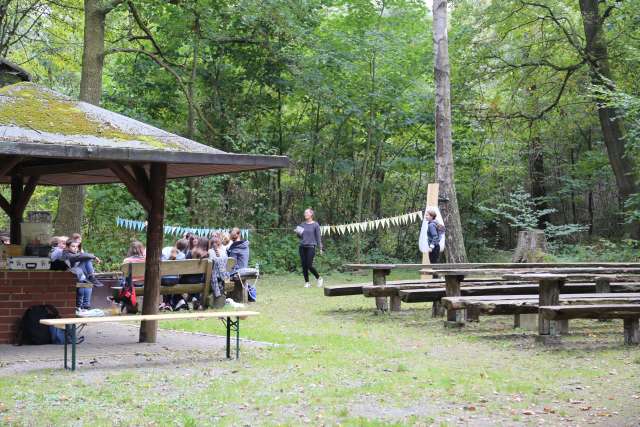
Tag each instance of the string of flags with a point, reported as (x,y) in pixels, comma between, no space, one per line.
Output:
(172,230)
(375,224)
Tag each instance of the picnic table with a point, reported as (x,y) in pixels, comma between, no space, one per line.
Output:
(454,274)
(527,272)
(550,285)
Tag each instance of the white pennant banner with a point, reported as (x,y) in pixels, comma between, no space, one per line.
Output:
(359,227)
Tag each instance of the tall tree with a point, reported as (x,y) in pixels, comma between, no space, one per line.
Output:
(448,202)
(611,121)
(71,200)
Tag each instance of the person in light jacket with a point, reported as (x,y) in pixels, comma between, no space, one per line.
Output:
(434,237)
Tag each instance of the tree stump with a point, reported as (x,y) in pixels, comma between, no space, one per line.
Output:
(532,246)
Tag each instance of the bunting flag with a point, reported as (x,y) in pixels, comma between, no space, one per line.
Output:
(375,224)
(174,230)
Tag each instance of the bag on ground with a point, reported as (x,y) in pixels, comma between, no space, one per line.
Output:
(31,331)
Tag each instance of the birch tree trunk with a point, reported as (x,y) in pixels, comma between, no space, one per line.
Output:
(448,203)
(611,122)
(71,199)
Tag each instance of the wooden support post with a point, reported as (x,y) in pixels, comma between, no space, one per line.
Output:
(603,285)
(155,234)
(516,321)
(15,227)
(20,196)
(437,310)
(432,200)
(455,318)
(380,279)
(549,293)
(472,314)
(632,331)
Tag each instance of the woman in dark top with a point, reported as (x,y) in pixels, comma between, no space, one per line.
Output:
(309,234)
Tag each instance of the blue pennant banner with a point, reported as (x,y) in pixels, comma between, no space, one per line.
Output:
(174,230)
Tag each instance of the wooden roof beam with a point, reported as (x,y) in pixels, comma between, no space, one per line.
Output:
(62,167)
(9,165)
(137,189)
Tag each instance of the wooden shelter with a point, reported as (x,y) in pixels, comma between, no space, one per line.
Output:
(49,139)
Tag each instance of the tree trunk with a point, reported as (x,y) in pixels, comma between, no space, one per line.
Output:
(536,175)
(454,249)
(532,246)
(611,122)
(71,199)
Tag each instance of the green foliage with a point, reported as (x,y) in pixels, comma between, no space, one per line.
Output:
(345,89)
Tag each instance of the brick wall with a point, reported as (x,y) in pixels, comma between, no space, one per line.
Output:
(21,289)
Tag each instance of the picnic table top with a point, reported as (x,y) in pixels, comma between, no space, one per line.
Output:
(531,272)
(139,318)
(497,266)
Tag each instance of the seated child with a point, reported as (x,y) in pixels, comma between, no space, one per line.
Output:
(75,261)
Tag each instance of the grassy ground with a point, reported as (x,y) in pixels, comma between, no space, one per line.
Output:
(337,362)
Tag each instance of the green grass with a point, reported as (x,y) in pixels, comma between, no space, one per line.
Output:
(337,362)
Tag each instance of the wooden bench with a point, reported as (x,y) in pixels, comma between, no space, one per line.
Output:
(71,323)
(528,304)
(630,313)
(176,268)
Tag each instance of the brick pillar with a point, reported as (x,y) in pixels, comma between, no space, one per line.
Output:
(19,290)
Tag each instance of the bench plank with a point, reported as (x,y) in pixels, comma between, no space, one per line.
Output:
(430,295)
(602,311)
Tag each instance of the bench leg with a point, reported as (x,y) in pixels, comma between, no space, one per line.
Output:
(73,347)
(67,332)
(516,321)
(632,331)
(237,338)
(395,303)
(472,314)
(437,310)
(228,323)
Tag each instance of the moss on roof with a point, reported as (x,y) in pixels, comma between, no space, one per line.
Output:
(29,106)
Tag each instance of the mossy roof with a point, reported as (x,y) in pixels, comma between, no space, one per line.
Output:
(36,122)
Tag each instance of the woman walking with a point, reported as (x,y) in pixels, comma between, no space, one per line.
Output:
(309,234)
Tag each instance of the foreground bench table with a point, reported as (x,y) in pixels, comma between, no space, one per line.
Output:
(70,325)
(630,313)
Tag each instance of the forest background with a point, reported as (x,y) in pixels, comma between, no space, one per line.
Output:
(346,90)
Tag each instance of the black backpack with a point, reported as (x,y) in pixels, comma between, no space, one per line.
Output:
(30,330)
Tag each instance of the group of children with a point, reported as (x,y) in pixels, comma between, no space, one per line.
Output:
(67,254)
(218,248)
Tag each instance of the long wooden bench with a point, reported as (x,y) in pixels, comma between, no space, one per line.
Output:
(70,326)
(435,294)
(359,288)
(176,268)
(518,305)
(630,313)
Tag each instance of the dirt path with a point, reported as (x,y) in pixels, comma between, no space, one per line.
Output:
(113,345)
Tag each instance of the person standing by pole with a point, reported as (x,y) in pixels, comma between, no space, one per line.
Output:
(434,236)
(309,234)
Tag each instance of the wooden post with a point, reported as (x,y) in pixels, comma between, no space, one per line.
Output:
(603,285)
(632,331)
(380,279)
(455,318)
(15,229)
(549,293)
(155,234)
(432,200)
(437,310)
